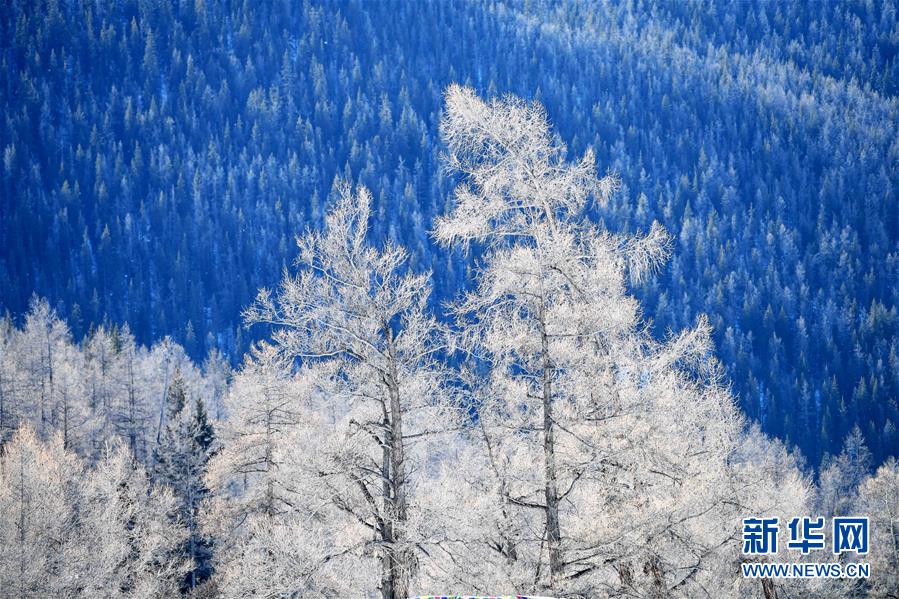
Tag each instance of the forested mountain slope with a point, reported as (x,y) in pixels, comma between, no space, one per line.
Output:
(158,160)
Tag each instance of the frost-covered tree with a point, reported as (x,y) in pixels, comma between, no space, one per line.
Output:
(71,416)
(10,400)
(217,372)
(519,187)
(264,407)
(94,391)
(165,452)
(38,511)
(842,475)
(356,317)
(133,531)
(69,531)
(43,342)
(103,375)
(42,379)
(763,478)
(878,498)
(275,531)
(130,413)
(609,454)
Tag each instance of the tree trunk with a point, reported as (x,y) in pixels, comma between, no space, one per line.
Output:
(22,507)
(386,526)
(768,588)
(132,411)
(399,561)
(65,419)
(550,490)
(2,411)
(507,543)
(165,392)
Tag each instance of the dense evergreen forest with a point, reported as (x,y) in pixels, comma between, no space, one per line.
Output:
(159,159)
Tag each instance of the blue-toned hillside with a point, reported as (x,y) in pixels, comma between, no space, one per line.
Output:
(158,159)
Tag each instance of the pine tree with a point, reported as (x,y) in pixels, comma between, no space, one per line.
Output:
(180,462)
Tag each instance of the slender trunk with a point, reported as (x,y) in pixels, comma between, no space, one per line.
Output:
(269,504)
(893,538)
(50,367)
(132,411)
(653,568)
(44,416)
(191,523)
(65,419)
(768,588)
(550,490)
(42,372)
(2,411)
(386,524)
(400,559)
(22,508)
(41,429)
(165,392)
(508,543)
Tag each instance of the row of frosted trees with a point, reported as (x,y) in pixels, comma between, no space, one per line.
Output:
(103,453)
(540,441)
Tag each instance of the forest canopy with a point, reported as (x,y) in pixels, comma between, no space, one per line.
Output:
(159,159)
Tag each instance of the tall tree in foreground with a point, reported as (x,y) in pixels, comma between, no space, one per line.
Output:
(524,317)
(635,440)
(357,317)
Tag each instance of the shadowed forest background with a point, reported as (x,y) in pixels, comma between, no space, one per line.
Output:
(159,158)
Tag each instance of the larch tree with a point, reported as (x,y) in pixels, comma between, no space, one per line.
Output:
(165,359)
(10,400)
(102,377)
(38,511)
(130,414)
(763,479)
(273,531)
(358,316)
(73,531)
(878,497)
(841,476)
(105,387)
(264,408)
(632,437)
(217,372)
(133,531)
(42,342)
(70,414)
